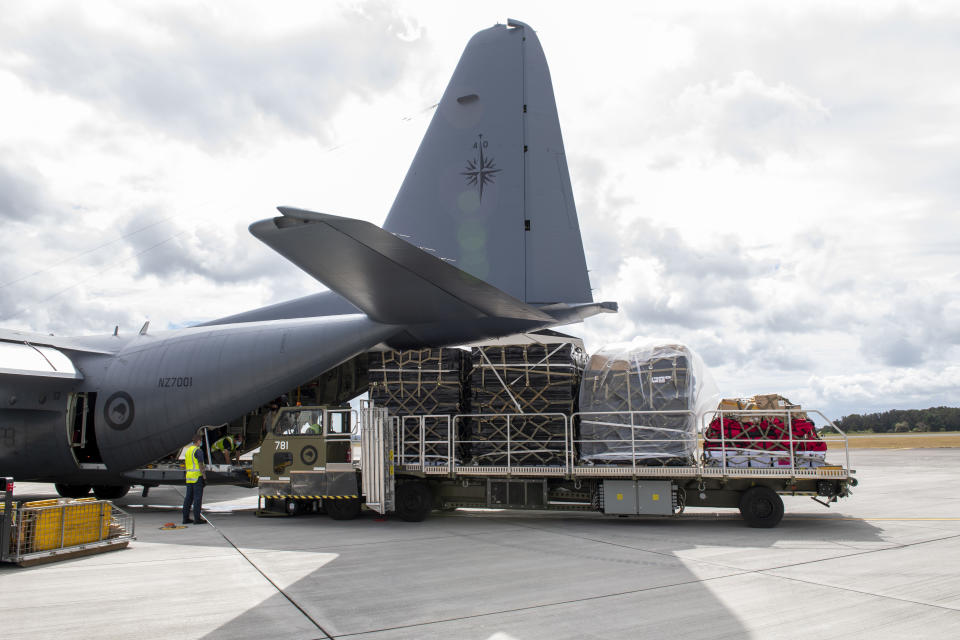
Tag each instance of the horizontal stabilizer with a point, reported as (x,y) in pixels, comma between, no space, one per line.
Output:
(565,313)
(386,277)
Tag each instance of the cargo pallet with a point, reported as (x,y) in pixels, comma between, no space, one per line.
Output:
(402,473)
(48,530)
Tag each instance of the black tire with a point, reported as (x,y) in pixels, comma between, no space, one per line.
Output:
(111,492)
(342,508)
(761,507)
(73,490)
(414,501)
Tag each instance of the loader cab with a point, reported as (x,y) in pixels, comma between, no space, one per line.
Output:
(304,439)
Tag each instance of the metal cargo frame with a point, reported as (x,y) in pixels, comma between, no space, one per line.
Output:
(418,463)
(48,530)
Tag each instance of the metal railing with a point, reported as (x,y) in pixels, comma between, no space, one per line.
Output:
(56,527)
(437,452)
(425,448)
(512,442)
(788,415)
(685,443)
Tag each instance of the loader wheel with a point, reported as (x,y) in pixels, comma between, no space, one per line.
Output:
(342,508)
(111,492)
(72,490)
(761,507)
(414,501)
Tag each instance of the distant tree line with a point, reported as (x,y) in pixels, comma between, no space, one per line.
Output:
(903,420)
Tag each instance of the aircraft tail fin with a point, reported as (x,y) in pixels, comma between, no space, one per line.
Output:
(489,188)
(385,277)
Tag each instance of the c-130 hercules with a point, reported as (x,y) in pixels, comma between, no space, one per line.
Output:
(482,241)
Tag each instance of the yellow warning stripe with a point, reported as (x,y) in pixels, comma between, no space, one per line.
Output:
(303,497)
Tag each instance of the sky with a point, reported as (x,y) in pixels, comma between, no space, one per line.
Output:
(776,185)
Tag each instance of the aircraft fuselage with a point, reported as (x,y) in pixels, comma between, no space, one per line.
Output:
(148,397)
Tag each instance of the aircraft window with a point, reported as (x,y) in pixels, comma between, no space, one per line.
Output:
(39,359)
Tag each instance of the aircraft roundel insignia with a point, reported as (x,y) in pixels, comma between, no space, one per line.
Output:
(308,455)
(118,410)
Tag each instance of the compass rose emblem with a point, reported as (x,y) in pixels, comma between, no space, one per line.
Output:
(481,169)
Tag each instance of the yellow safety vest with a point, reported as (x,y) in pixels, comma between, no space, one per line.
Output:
(226,442)
(192,464)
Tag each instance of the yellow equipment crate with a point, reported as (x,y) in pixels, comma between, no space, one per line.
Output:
(59,524)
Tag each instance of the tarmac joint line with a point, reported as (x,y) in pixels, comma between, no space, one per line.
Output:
(267,578)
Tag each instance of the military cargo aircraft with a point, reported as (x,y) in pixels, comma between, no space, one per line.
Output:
(482,241)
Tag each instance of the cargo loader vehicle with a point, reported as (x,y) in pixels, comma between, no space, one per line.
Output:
(405,468)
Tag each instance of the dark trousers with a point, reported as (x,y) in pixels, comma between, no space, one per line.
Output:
(194,496)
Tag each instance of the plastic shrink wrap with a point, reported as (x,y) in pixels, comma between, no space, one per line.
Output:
(751,438)
(639,403)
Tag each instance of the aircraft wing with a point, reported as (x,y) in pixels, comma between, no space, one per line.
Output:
(33,361)
(386,277)
(85,345)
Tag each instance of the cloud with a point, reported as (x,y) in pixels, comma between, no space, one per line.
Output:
(747,119)
(21,196)
(185,71)
(917,330)
(658,276)
(901,387)
(223,255)
(8,304)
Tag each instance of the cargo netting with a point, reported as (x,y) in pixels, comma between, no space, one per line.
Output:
(752,438)
(639,404)
(530,379)
(421,382)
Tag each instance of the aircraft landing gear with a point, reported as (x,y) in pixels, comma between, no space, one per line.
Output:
(111,492)
(72,490)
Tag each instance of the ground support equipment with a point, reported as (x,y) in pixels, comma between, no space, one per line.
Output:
(49,530)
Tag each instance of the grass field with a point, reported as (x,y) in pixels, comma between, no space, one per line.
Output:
(898,441)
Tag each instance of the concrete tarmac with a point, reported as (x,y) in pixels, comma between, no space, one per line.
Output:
(881,564)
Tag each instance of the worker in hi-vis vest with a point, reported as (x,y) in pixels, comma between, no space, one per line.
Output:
(196,477)
(229,446)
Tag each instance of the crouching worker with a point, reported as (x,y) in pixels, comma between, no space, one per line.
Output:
(196,478)
(229,447)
